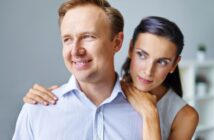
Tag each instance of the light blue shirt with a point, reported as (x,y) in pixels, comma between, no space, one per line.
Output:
(75,117)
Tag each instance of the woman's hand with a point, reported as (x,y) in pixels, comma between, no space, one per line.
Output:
(145,104)
(40,94)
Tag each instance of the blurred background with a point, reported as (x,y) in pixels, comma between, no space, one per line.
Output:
(30,50)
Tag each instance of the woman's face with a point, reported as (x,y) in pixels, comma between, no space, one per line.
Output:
(152,59)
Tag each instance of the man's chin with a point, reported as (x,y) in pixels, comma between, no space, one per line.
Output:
(84,77)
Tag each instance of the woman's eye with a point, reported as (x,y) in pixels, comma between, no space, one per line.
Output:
(141,55)
(163,62)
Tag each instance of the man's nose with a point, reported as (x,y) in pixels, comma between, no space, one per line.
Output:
(77,49)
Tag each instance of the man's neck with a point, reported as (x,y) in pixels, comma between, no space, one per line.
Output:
(98,91)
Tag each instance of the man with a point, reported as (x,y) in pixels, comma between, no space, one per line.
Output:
(91,105)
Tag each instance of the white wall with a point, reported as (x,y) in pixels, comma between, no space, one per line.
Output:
(30,48)
(30,51)
(194,17)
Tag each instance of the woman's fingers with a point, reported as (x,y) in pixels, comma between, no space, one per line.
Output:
(29,100)
(53,87)
(35,96)
(39,94)
(46,93)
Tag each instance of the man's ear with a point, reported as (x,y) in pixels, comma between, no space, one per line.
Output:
(118,41)
(131,48)
(175,64)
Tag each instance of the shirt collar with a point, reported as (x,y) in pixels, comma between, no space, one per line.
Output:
(117,90)
(72,85)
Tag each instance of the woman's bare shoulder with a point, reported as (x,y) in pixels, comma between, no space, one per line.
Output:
(185,123)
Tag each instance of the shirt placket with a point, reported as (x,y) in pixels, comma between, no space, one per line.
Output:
(99,124)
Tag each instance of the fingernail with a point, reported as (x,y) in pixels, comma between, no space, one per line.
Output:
(45,103)
(53,102)
(55,98)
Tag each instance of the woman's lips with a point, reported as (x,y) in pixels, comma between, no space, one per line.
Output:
(143,80)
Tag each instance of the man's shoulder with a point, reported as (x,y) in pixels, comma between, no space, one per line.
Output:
(35,108)
(63,89)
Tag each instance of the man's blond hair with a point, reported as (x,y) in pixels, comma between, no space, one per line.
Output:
(115,17)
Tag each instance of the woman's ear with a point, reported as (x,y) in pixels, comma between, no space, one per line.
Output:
(175,64)
(131,48)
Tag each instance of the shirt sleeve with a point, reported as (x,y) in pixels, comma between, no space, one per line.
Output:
(23,130)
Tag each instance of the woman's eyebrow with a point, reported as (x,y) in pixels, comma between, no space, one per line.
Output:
(142,51)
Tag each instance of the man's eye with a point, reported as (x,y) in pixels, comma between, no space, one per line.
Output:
(88,37)
(66,40)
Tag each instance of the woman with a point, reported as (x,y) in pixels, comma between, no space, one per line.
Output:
(152,67)
(151,82)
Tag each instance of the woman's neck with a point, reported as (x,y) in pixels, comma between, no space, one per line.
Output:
(160,91)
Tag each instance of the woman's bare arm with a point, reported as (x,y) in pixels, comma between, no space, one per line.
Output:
(145,104)
(184,124)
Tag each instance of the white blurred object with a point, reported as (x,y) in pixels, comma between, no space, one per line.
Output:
(201,89)
(201,56)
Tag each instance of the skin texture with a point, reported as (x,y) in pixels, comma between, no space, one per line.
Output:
(145,104)
(88,53)
(152,59)
(88,50)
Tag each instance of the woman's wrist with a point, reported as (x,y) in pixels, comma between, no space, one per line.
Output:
(149,113)
(151,126)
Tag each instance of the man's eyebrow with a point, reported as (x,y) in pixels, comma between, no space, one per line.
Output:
(88,32)
(65,35)
(82,33)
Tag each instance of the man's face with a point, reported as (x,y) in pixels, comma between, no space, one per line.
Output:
(88,49)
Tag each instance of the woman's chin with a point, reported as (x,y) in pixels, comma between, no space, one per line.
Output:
(142,88)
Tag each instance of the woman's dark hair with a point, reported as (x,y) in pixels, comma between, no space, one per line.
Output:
(161,27)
